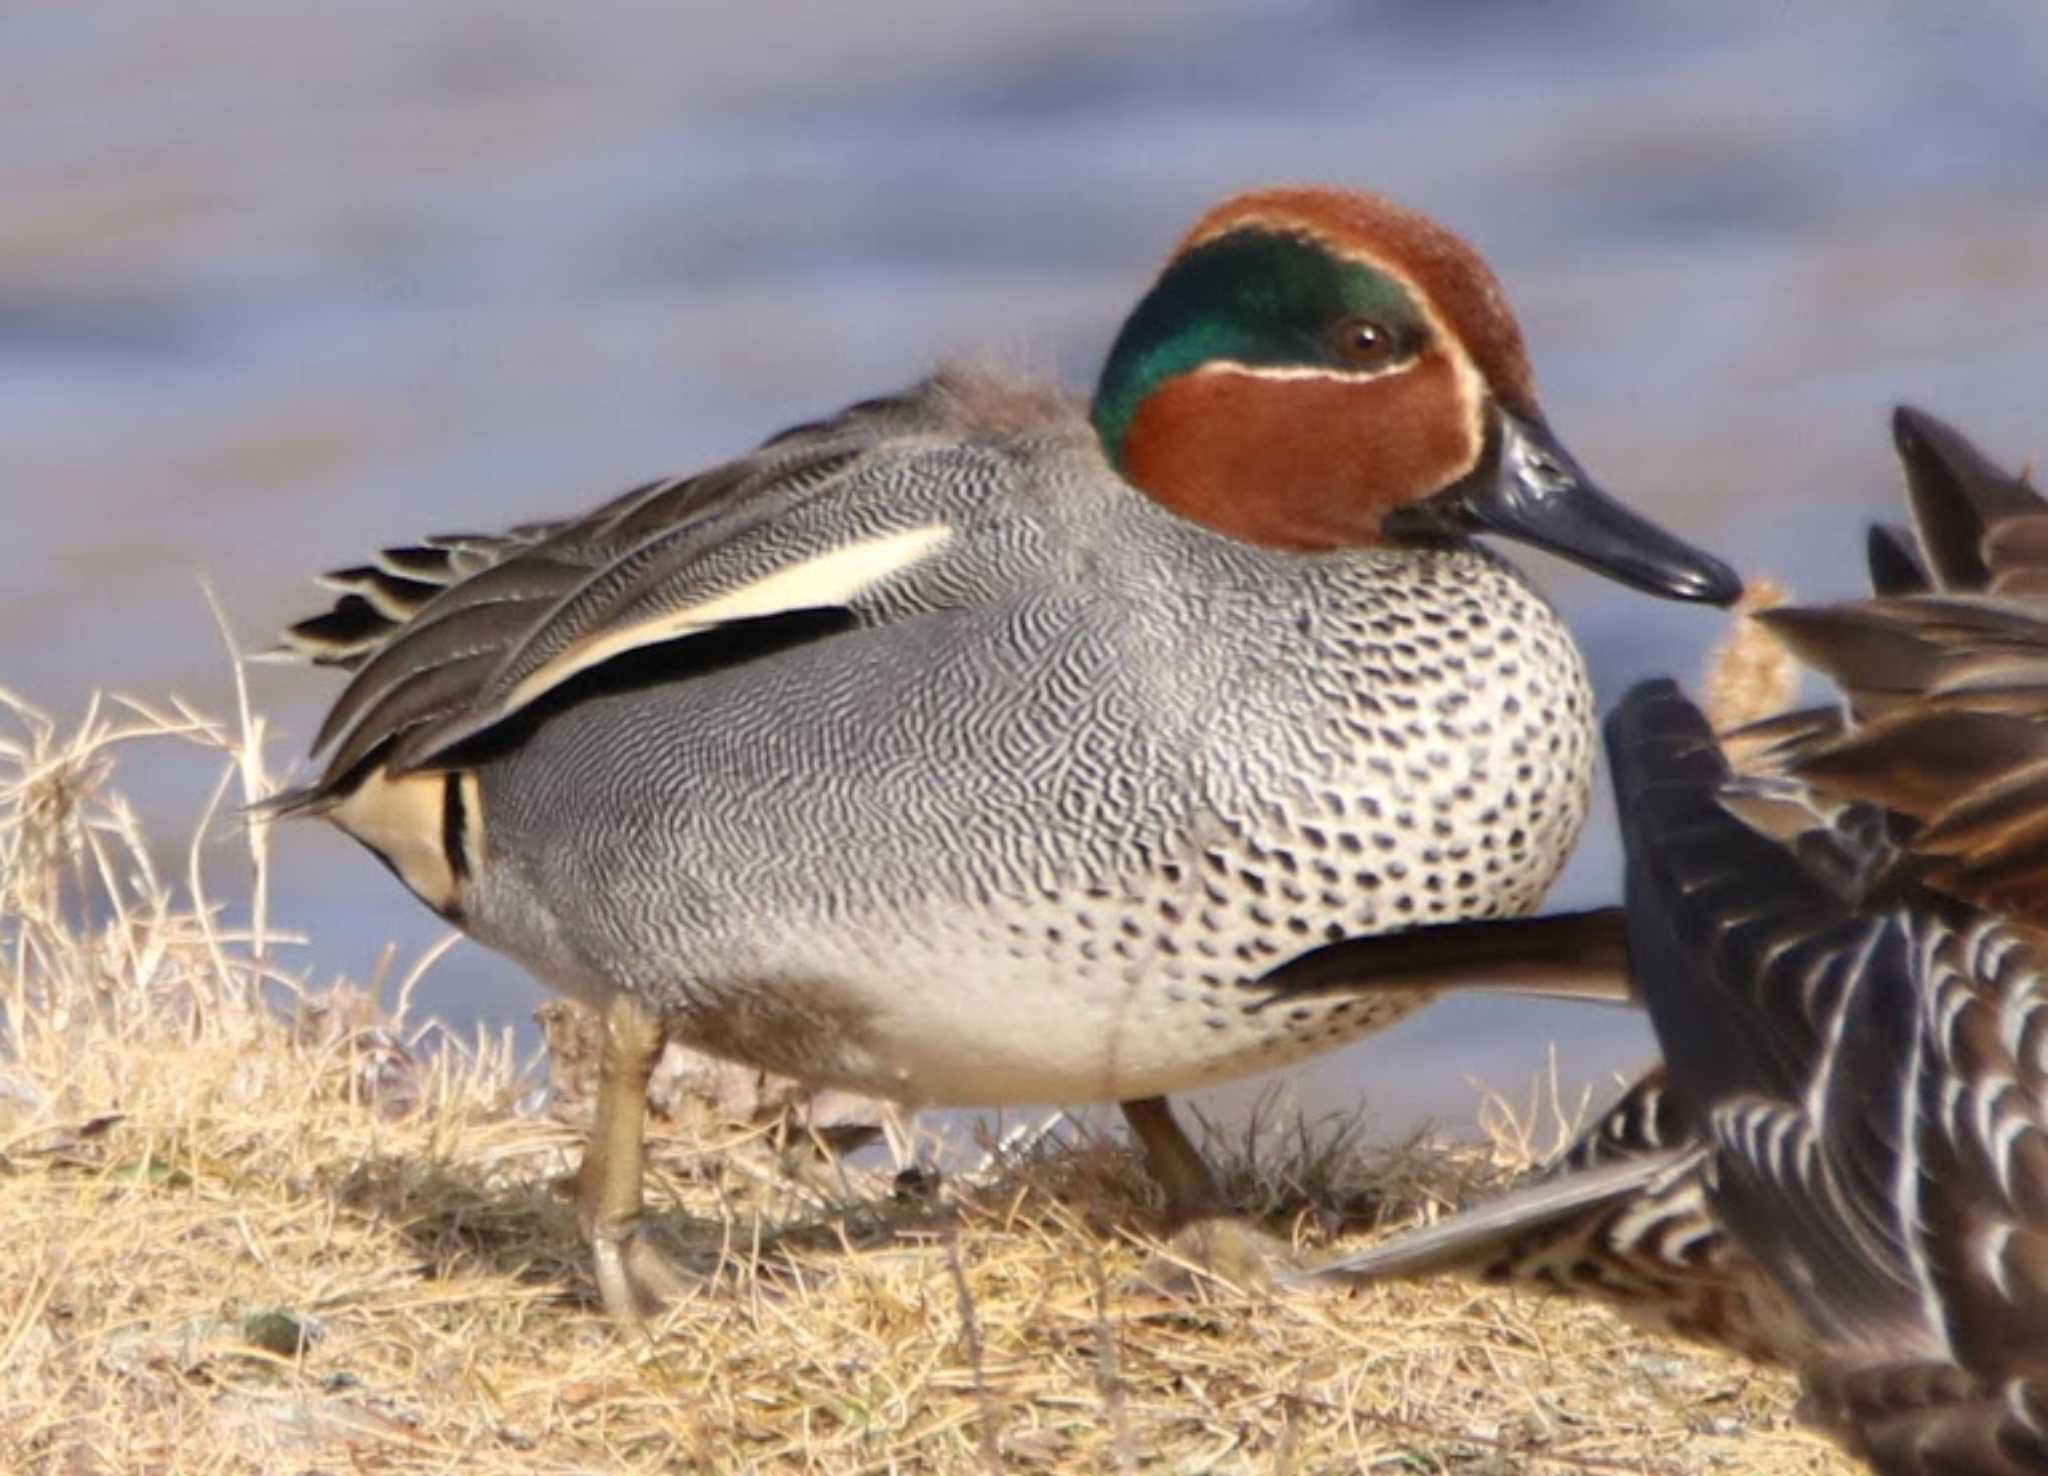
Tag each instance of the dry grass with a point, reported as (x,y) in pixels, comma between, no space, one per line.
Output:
(1751,674)
(244,1230)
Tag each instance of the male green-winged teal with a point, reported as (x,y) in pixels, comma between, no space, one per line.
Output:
(1843,953)
(977,746)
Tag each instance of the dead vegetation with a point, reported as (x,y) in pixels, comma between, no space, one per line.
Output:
(243,1228)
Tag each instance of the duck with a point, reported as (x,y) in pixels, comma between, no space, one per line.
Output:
(1835,920)
(982,745)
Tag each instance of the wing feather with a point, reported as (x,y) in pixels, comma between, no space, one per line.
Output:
(448,638)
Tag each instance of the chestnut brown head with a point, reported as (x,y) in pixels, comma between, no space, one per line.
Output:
(1320,369)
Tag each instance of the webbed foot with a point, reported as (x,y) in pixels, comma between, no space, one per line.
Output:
(1219,1248)
(1204,1237)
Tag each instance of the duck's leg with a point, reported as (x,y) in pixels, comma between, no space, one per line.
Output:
(632,1276)
(1176,1166)
(1199,1223)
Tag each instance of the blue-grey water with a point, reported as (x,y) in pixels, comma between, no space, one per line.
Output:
(281,283)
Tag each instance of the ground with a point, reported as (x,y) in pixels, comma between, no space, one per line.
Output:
(238,1237)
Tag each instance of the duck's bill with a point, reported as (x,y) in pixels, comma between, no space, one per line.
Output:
(1531,490)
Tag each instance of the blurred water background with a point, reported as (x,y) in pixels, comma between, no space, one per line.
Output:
(282,283)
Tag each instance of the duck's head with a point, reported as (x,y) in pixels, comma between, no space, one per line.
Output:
(1321,368)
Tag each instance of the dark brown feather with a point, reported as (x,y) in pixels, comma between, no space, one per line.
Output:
(1915,760)
(1943,674)
(1895,567)
(1958,496)
(1934,1419)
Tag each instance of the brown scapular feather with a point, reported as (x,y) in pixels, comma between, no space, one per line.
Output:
(1943,672)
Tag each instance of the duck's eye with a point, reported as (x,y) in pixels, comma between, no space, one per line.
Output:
(1363,343)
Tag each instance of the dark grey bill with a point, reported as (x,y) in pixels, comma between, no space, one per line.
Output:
(1530,489)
